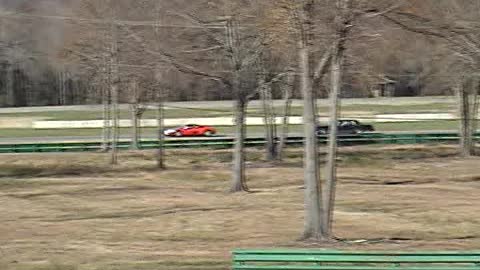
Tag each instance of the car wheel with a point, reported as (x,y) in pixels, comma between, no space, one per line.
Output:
(208,133)
(178,134)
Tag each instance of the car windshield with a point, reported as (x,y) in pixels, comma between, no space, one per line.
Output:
(189,126)
(347,122)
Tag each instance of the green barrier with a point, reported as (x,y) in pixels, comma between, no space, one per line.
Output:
(225,143)
(292,259)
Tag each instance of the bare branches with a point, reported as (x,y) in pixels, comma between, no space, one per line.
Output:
(465,43)
(170,59)
(462,42)
(265,84)
(102,21)
(213,48)
(429,31)
(205,27)
(372,13)
(323,65)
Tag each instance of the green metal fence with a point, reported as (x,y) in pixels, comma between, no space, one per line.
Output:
(295,259)
(222,143)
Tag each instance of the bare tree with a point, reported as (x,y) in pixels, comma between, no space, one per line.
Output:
(93,49)
(467,94)
(9,80)
(269,119)
(303,18)
(114,84)
(241,48)
(161,90)
(342,24)
(161,137)
(287,92)
(136,110)
(106,103)
(233,45)
(320,197)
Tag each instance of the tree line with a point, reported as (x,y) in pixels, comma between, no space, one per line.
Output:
(44,64)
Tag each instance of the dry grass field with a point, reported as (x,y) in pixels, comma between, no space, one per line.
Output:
(74,212)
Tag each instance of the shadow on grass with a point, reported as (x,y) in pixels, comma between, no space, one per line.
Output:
(49,266)
(26,171)
(62,170)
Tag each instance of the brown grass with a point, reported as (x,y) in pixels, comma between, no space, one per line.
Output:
(73,212)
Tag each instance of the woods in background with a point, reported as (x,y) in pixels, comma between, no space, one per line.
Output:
(55,57)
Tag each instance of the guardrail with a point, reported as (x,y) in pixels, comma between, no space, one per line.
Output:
(222,143)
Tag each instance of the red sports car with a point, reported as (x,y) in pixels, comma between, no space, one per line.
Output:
(190,130)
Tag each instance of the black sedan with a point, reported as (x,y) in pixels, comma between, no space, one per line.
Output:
(346,127)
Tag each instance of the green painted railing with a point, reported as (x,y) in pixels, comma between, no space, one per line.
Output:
(367,138)
(358,260)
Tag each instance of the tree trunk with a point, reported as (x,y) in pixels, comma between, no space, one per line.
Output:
(59,84)
(269,120)
(107,120)
(475,109)
(136,115)
(63,88)
(272,124)
(287,104)
(239,181)
(313,209)
(9,76)
(115,125)
(474,115)
(106,102)
(466,123)
(241,99)
(114,91)
(134,110)
(331,169)
(161,136)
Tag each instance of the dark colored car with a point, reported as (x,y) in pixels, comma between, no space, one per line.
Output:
(346,127)
(190,131)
